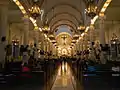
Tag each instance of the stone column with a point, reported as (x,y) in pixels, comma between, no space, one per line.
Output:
(56,51)
(48,47)
(76,49)
(102,30)
(36,38)
(86,41)
(92,56)
(79,47)
(36,44)
(42,45)
(25,38)
(71,51)
(26,30)
(42,41)
(102,38)
(3,31)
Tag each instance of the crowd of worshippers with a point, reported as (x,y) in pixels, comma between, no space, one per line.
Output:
(24,52)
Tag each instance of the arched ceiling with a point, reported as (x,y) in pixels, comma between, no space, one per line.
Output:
(67,12)
(59,15)
(63,12)
(65,20)
(57,27)
(59,12)
(62,5)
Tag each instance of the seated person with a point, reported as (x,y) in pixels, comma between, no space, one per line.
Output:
(25,68)
(115,68)
(91,66)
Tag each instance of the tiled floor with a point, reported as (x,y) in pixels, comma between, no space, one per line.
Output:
(64,79)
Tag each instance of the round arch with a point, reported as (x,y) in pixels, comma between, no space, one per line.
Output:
(54,29)
(63,20)
(63,13)
(63,33)
(61,4)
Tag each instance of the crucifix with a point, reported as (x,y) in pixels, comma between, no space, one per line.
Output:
(64,38)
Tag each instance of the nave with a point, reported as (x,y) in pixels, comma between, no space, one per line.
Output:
(37,37)
(62,74)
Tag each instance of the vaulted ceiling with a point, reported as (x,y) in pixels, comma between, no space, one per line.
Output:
(57,12)
(60,12)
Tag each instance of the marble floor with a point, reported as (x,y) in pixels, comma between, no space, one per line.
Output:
(64,80)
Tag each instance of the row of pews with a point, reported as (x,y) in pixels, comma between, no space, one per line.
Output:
(12,76)
(97,76)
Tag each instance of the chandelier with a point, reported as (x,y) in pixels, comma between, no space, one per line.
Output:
(73,41)
(51,37)
(46,28)
(76,36)
(54,42)
(81,28)
(35,10)
(92,8)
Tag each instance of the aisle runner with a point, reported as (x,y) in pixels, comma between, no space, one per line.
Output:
(63,79)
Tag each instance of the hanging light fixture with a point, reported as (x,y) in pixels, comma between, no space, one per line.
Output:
(81,28)
(51,37)
(75,36)
(54,42)
(35,10)
(92,8)
(73,41)
(46,27)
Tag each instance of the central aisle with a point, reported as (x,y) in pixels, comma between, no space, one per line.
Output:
(64,78)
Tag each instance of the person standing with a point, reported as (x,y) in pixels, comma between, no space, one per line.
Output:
(25,55)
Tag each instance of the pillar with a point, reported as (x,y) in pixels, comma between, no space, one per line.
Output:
(71,51)
(102,30)
(86,42)
(36,38)
(48,46)
(42,41)
(42,45)
(3,31)
(92,56)
(26,30)
(102,38)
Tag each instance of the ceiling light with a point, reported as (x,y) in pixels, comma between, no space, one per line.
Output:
(35,10)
